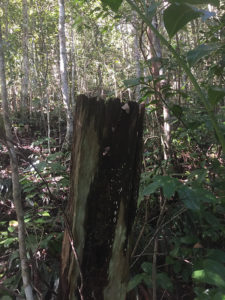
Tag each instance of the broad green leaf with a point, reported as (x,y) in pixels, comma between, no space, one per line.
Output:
(199,275)
(135,281)
(170,186)
(164,281)
(11,229)
(177,15)
(193,198)
(204,196)
(44,213)
(215,94)
(167,183)
(193,56)
(213,273)
(151,188)
(8,241)
(189,199)
(113,4)
(57,167)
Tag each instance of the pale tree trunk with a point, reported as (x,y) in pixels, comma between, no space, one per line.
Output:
(64,76)
(115,81)
(25,61)
(15,180)
(137,56)
(100,81)
(73,70)
(164,124)
(157,70)
(48,123)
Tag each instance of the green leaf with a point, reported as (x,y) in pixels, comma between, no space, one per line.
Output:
(11,229)
(193,198)
(213,273)
(199,275)
(113,4)
(44,213)
(193,56)
(135,281)
(151,188)
(187,195)
(167,183)
(164,281)
(177,15)
(8,241)
(170,186)
(57,167)
(215,94)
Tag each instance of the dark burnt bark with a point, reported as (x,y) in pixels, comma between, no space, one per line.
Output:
(106,165)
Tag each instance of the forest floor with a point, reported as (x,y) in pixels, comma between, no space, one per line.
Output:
(44,178)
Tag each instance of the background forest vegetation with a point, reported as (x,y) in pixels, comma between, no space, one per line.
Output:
(169,56)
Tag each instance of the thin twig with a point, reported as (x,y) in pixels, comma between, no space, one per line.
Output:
(80,289)
(142,229)
(181,211)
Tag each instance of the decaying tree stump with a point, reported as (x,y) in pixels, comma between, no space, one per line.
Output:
(106,163)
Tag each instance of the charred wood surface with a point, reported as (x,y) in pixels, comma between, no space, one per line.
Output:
(106,165)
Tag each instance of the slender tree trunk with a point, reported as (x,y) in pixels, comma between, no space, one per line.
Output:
(73,70)
(48,124)
(164,123)
(157,70)
(137,57)
(64,76)
(25,61)
(15,180)
(115,81)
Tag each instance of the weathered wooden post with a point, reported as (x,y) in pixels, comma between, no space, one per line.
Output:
(106,165)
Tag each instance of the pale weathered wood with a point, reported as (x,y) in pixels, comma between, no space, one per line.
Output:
(106,163)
